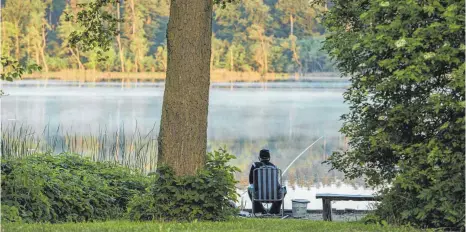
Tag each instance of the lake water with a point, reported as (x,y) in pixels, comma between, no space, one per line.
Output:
(245,117)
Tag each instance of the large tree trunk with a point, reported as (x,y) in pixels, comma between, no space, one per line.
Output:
(183,129)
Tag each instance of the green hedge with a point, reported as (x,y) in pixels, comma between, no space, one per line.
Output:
(65,187)
(69,188)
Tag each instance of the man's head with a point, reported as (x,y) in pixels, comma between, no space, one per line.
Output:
(264,155)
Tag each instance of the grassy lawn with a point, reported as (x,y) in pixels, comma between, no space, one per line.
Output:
(289,225)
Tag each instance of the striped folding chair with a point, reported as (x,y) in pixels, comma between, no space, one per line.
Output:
(268,187)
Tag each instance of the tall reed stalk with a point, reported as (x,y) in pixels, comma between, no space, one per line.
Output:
(134,150)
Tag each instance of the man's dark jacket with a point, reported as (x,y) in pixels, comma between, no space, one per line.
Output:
(258,165)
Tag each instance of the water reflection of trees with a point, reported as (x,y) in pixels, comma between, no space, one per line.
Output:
(306,172)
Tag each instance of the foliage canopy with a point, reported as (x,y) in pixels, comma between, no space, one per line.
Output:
(406,120)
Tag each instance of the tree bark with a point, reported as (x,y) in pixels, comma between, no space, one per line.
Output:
(183,129)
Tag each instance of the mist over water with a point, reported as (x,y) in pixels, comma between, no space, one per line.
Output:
(284,117)
(247,113)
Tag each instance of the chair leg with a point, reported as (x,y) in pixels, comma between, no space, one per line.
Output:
(283,207)
(253,215)
(252,206)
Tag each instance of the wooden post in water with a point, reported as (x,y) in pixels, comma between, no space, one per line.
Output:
(327,208)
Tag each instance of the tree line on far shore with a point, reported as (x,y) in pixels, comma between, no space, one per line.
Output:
(263,36)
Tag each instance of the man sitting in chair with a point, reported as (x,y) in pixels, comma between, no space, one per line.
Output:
(264,158)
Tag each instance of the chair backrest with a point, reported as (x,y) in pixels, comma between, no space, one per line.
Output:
(267,183)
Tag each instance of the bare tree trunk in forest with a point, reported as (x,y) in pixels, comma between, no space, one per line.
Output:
(74,8)
(296,55)
(293,46)
(17,43)
(80,65)
(17,47)
(120,49)
(291,24)
(183,129)
(3,36)
(133,32)
(266,59)
(265,65)
(42,50)
(136,62)
(28,50)
(37,53)
(264,52)
(164,64)
(133,18)
(231,68)
(50,15)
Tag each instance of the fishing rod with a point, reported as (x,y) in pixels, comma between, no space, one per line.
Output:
(286,169)
(297,157)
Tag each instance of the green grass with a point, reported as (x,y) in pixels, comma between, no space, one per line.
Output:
(289,225)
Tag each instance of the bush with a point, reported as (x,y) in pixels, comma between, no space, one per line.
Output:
(406,121)
(204,196)
(10,214)
(65,187)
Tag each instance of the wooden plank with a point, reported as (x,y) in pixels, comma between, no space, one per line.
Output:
(327,209)
(346,197)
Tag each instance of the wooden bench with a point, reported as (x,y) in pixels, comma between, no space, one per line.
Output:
(327,199)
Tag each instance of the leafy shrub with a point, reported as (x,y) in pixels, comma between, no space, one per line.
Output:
(204,196)
(65,187)
(10,214)
(431,207)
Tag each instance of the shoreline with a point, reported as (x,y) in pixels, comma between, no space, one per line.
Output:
(217,76)
(329,85)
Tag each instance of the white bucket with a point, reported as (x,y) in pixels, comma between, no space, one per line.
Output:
(299,207)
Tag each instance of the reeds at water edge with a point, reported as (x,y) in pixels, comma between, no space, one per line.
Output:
(135,150)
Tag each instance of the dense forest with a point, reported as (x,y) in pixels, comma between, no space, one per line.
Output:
(263,36)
